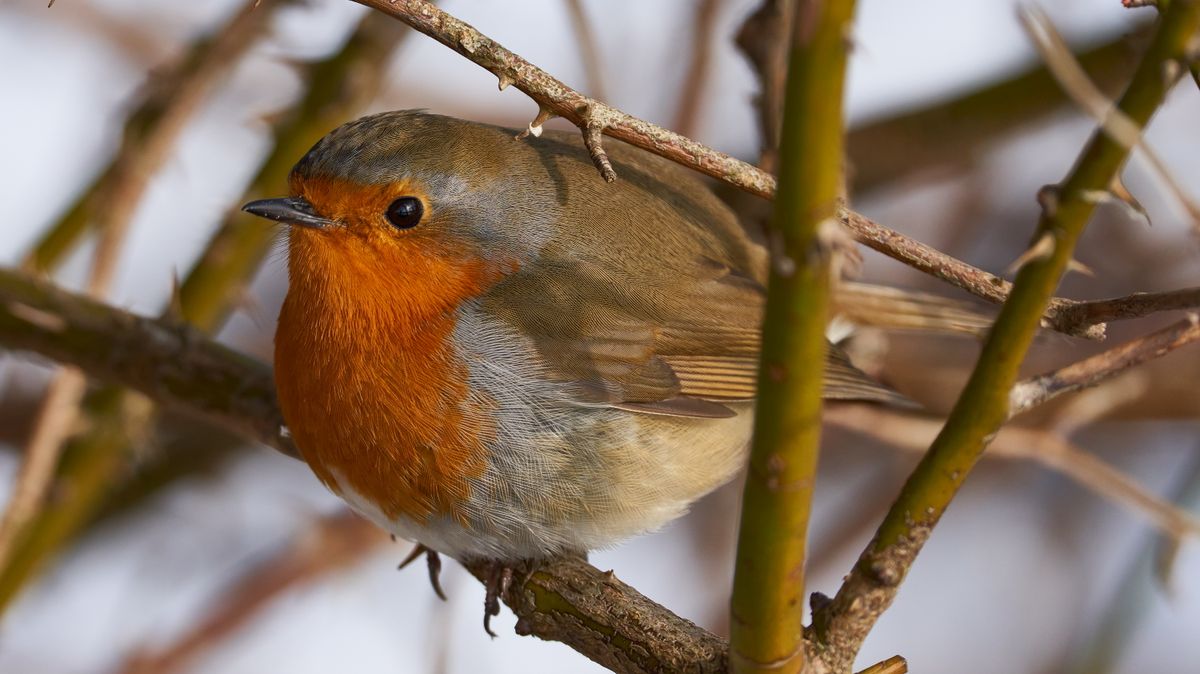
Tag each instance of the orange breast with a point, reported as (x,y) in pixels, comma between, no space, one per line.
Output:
(368,379)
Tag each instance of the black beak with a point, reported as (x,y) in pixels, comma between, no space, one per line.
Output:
(289,211)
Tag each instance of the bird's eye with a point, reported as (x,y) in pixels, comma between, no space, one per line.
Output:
(405,212)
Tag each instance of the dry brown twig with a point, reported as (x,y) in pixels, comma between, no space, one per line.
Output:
(1091,371)
(1043,446)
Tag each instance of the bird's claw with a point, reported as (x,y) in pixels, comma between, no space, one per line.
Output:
(498,584)
(435,567)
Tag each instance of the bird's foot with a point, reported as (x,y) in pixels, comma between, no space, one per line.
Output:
(435,567)
(499,581)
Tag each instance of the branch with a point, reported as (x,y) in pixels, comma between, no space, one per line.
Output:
(558,99)
(696,81)
(979,283)
(172,364)
(841,625)
(563,600)
(1137,305)
(589,51)
(1091,371)
(766,627)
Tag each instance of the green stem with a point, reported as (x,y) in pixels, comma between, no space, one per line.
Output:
(983,405)
(767,607)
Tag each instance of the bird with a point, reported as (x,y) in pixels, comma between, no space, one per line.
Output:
(487,349)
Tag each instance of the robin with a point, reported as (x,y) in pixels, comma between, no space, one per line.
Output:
(487,349)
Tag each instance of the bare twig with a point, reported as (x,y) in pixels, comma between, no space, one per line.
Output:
(893,665)
(979,283)
(563,101)
(764,38)
(1137,305)
(1091,371)
(55,420)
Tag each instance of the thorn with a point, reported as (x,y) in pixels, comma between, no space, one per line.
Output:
(1124,196)
(535,127)
(174,310)
(1040,250)
(503,81)
(1079,267)
(1047,198)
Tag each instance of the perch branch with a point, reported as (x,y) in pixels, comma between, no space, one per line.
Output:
(841,625)
(177,367)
